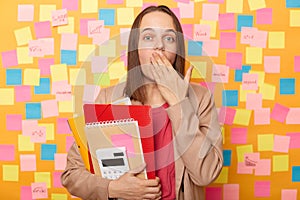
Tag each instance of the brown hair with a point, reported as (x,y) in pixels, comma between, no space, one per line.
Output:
(135,88)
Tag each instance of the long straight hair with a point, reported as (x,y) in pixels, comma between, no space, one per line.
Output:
(135,87)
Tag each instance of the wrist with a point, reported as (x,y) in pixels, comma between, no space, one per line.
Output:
(112,192)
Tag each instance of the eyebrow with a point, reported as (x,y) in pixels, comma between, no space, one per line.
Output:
(152,29)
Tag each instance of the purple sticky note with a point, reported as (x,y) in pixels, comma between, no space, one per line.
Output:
(56,179)
(13,122)
(62,126)
(297,63)
(234,60)
(7,152)
(213,193)
(23,93)
(44,65)
(124,140)
(239,135)
(9,58)
(99,64)
(42,29)
(226,21)
(294,140)
(26,193)
(264,16)
(228,40)
(279,112)
(231,191)
(84,26)
(262,188)
(70,4)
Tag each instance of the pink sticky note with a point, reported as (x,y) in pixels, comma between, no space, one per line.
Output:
(263,167)
(186,9)
(95,27)
(231,191)
(102,38)
(56,179)
(182,1)
(260,39)
(243,169)
(213,193)
(279,112)
(228,40)
(254,101)
(35,48)
(220,73)
(48,45)
(289,194)
(226,115)
(264,16)
(176,11)
(26,193)
(68,41)
(70,4)
(62,90)
(69,142)
(25,12)
(90,93)
(262,116)
(297,63)
(187,31)
(62,126)
(7,152)
(249,81)
(294,140)
(28,162)
(226,21)
(210,48)
(234,60)
(60,161)
(247,34)
(281,143)
(23,93)
(28,126)
(9,58)
(262,188)
(49,108)
(59,17)
(13,122)
(293,116)
(272,64)
(201,32)
(251,159)
(123,57)
(38,135)
(210,12)
(84,26)
(209,85)
(44,65)
(216,1)
(42,29)
(239,135)
(39,190)
(121,140)
(99,64)
(124,35)
(145,5)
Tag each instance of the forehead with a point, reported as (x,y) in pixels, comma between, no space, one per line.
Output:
(157,19)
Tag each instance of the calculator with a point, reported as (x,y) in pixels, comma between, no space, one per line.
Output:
(112,161)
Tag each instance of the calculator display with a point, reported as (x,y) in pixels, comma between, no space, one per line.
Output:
(113,162)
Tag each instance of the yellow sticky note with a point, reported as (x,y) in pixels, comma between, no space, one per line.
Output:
(241,150)
(199,70)
(117,70)
(254,55)
(242,117)
(59,196)
(294,18)
(59,72)
(261,76)
(234,6)
(223,133)
(23,35)
(102,79)
(223,176)
(46,12)
(85,52)
(69,28)
(24,143)
(267,91)
(10,172)
(66,106)
(134,3)
(256,4)
(7,96)
(109,49)
(77,77)
(32,77)
(213,26)
(23,55)
(265,142)
(49,130)
(280,163)
(243,93)
(43,177)
(89,6)
(125,16)
(276,40)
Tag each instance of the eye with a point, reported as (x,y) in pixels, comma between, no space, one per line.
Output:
(169,39)
(147,38)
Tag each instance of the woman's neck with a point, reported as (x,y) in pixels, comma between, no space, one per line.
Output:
(154,97)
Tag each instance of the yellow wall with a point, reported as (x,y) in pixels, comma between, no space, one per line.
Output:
(283,176)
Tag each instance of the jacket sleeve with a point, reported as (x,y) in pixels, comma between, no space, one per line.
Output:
(197,136)
(80,182)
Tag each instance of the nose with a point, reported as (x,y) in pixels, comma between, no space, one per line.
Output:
(159,45)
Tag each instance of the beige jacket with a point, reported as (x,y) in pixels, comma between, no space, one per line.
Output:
(197,143)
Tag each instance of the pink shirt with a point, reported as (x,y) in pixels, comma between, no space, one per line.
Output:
(164,152)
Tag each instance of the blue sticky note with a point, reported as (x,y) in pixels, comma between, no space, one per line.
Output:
(108,15)
(13,76)
(230,98)
(287,86)
(33,110)
(295,173)
(194,48)
(68,57)
(48,151)
(227,157)
(238,76)
(292,3)
(244,21)
(44,87)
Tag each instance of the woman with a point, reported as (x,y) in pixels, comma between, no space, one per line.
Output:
(188,142)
